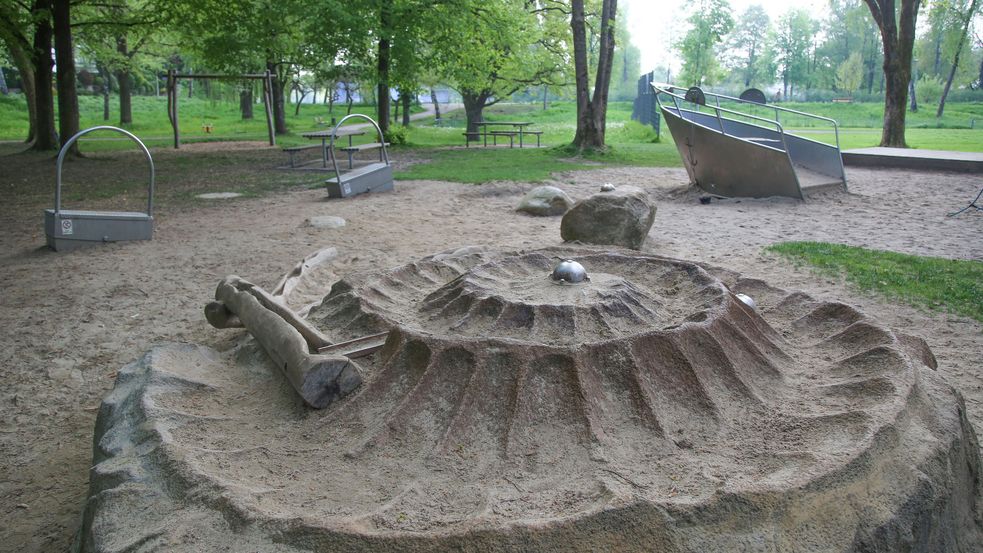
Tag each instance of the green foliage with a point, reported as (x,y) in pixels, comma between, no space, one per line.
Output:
(793,40)
(751,53)
(951,285)
(709,22)
(929,89)
(850,73)
(396,135)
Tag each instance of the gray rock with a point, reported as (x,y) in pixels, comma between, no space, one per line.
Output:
(545,201)
(326,221)
(620,217)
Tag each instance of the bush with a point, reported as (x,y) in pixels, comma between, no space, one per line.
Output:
(396,135)
(929,90)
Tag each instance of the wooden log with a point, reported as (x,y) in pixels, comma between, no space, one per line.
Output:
(318,379)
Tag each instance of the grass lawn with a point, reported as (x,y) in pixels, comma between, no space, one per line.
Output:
(440,147)
(952,285)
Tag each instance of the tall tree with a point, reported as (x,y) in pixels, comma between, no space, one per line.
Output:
(68,103)
(749,40)
(498,47)
(963,18)
(592,110)
(16,28)
(793,37)
(898,40)
(45,137)
(710,21)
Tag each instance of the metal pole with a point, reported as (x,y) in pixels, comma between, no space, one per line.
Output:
(268,100)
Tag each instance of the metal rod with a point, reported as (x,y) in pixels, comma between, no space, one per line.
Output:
(72,140)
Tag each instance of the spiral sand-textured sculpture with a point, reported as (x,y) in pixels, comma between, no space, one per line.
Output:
(645,410)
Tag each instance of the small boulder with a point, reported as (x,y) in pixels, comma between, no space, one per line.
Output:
(621,217)
(218,195)
(545,201)
(326,221)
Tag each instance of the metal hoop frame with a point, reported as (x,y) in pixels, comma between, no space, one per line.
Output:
(72,140)
(334,131)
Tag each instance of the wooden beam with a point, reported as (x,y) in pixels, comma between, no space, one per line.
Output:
(268,101)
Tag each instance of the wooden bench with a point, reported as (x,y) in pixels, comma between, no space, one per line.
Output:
(537,133)
(842,100)
(496,134)
(474,137)
(294,150)
(350,150)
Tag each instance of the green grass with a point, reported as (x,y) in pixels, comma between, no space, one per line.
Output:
(150,121)
(629,142)
(952,285)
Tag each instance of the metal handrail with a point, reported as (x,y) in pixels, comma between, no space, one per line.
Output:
(64,151)
(382,141)
(667,89)
(677,97)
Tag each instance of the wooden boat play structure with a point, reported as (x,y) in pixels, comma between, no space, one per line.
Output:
(737,154)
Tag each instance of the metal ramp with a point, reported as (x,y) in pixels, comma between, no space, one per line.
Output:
(736,154)
(374,177)
(72,229)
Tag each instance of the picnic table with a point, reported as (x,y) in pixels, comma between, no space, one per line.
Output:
(518,127)
(325,136)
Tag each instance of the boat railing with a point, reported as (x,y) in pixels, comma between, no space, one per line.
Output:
(669,91)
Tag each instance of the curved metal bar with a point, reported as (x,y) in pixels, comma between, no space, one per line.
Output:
(64,151)
(334,131)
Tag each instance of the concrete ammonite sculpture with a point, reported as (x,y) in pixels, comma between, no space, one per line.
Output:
(646,408)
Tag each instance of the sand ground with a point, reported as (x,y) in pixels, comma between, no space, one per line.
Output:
(69,321)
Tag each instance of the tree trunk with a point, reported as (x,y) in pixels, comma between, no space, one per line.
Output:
(395,110)
(303,94)
(546,91)
(125,83)
(955,59)
(22,60)
(592,111)
(382,98)
(3,83)
(246,102)
(474,105)
(45,137)
(279,107)
(436,105)
(68,102)
(106,80)
(898,39)
(407,100)
(913,107)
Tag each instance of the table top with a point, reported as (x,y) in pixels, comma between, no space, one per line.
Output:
(513,123)
(326,133)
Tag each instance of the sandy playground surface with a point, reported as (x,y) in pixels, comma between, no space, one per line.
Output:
(70,320)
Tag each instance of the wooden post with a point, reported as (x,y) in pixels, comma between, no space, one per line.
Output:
(172,98)
(268,101)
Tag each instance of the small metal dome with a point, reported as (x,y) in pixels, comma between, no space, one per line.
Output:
(748,301)
(569,271)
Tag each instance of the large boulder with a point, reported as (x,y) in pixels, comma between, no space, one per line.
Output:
(620,217)
(545,201)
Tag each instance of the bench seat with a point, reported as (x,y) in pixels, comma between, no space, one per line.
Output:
(350,150)
(292,151)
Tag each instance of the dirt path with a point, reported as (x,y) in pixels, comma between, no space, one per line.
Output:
(71,320)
